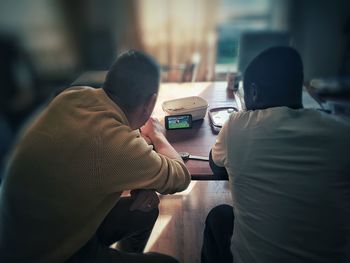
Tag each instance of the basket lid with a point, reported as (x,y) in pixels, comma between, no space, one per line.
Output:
(184,104)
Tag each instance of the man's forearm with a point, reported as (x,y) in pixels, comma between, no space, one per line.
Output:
(154,131)
(163,147)
(219,172)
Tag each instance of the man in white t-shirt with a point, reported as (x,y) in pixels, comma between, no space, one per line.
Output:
(289,172)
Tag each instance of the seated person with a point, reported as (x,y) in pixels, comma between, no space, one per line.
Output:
(60,200)
(288,170)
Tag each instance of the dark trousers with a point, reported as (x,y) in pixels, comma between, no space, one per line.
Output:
(131,229)
(217,235)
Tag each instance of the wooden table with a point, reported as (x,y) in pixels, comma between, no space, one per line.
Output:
(199,139)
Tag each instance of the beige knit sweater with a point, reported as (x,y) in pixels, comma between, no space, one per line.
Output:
(67,172)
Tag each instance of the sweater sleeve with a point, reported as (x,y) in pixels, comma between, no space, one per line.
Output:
(128,162)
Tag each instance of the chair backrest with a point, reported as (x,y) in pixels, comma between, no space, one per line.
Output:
(191,69)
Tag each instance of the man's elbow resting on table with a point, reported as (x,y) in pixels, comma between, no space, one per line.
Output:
(218,170)
(178,178)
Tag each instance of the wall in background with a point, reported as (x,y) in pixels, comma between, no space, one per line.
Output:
(39,27)
(317,30)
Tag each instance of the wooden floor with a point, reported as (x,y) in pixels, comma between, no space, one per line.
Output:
(179,228)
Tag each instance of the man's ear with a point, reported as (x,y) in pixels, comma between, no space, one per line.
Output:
(254,91)
(150,103)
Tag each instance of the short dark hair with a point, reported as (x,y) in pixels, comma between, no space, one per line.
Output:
(278,76)
(132,78)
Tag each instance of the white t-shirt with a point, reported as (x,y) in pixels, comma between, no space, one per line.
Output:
(289,172)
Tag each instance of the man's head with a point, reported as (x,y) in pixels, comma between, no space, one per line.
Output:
(274,78)
(132,83)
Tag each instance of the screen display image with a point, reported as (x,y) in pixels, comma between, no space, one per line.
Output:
(178,122)
(218,116)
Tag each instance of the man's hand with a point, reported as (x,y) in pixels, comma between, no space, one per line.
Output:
(152,129)
(147,139)
(144,200)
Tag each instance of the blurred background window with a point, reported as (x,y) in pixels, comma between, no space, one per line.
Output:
(195,40)
(181,34)
(238,16)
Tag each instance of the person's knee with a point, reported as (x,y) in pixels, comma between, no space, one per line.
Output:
(218,214)
(155,213)
(151,216)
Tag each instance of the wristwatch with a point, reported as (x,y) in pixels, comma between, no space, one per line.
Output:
(187,156)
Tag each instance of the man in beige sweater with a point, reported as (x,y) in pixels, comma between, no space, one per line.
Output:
(60,198)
